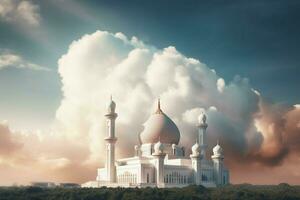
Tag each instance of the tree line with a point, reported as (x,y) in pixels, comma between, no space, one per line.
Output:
(192,192)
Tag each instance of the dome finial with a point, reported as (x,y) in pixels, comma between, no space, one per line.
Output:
(158,111)
(111,97)
(158,104)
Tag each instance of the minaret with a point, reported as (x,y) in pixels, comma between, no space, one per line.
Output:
(218,159)
(202,126)
(195,157)
(110,142)
(159,156)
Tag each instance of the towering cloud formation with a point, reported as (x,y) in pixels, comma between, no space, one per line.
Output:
(136,74)
(254,133)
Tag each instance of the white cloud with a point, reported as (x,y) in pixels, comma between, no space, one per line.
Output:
(103,63)
(191,116)
(221,84)
(14,60)
(20,12)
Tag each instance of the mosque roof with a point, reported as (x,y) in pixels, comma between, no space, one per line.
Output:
(159,127)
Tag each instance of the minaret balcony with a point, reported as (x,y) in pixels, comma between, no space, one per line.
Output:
(111,115)
(111,139)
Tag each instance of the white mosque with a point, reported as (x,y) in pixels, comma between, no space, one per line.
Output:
(159,160)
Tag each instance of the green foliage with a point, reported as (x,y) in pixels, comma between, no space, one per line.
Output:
(282,191)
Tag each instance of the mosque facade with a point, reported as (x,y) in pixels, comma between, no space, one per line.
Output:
(159,160)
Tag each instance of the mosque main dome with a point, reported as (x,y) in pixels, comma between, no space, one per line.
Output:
(159,127)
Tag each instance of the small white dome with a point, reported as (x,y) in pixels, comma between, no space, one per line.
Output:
(158,147)
(202,118)
(136,147)
(196,149)
(173,146)
(111,107)
(218,150)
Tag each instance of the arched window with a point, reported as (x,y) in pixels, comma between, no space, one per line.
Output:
(148,178)
(204,177)
(167,176)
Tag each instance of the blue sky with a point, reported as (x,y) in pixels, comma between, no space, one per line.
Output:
(255,39)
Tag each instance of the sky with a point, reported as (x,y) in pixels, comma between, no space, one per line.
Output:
(239,47)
